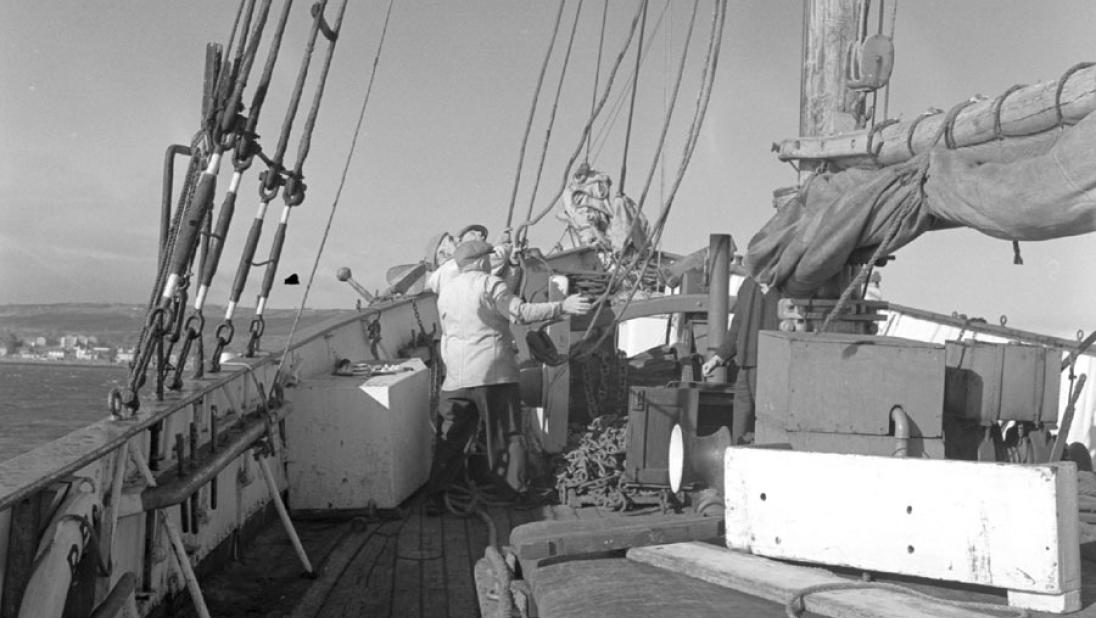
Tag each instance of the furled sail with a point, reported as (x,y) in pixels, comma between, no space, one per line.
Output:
(1049,194)
(599,219)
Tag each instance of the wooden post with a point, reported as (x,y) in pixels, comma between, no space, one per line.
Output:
(719,252)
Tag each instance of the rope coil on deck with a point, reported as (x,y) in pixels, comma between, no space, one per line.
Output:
(796,605)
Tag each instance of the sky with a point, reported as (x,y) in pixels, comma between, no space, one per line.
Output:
(95,92)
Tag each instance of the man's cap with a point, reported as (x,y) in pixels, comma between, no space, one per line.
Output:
(471,250)
(474,227)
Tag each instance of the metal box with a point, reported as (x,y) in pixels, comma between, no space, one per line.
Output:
(355,443)
(652,414)
(1001,381)
(835,392)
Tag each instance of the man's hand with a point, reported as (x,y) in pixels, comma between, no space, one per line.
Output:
(576,304)
(709,366)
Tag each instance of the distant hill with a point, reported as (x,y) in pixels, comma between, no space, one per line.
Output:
(120,324)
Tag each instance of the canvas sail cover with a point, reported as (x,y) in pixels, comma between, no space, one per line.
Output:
(1049,194)
(599,219)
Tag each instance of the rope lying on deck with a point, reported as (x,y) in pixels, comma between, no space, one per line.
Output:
(797,605)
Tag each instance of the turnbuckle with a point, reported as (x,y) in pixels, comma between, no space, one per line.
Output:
(258,325)
(224,336)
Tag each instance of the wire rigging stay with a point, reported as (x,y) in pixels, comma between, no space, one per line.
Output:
(339,189)
(165,317)
(295,187)
(224,129)
(555,106)
(532,112)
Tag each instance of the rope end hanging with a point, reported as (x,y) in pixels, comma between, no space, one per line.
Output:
(1017,259)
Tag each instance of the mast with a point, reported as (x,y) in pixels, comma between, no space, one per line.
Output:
(826,104)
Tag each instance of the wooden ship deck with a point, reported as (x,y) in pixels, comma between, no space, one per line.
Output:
(406,563)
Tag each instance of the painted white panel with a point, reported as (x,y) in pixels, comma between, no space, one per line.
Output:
(351,441)
(1002,525)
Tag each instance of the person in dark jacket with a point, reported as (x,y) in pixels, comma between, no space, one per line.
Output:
(754,311)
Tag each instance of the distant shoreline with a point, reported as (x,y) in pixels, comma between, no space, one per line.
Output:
(52,363)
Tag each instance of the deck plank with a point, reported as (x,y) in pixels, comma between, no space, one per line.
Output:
(365,588)
(266,578)
(332,569)
(458,575)
(408,589)
(434,589)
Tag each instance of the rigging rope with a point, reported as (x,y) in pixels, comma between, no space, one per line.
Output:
(597,68)
(602,135)
(532,112)
(886,93)
(555,106)
(913,168)
(295,187)
(632,104)
(338,191)
(586,130)
(246,149)
(703,98)
(669,114)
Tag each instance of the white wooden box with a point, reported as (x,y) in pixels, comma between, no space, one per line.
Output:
(1002,525)
(353,442)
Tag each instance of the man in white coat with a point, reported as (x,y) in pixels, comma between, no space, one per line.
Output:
(481,379)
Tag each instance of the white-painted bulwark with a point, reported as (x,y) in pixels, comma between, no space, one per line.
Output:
(1002,525)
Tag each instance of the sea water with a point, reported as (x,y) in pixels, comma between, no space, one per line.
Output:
(40,402)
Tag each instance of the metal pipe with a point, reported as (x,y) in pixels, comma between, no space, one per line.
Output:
(276,498)
(176,492)
(168,188)
(176,542)
(901,431)
(719,269)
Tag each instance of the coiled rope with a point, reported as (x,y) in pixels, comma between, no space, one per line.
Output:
(796,605)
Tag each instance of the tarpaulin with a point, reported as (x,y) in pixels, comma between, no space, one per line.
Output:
(1049,195)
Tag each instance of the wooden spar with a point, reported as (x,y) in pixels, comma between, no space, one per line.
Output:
(826,103)
(1024,112)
